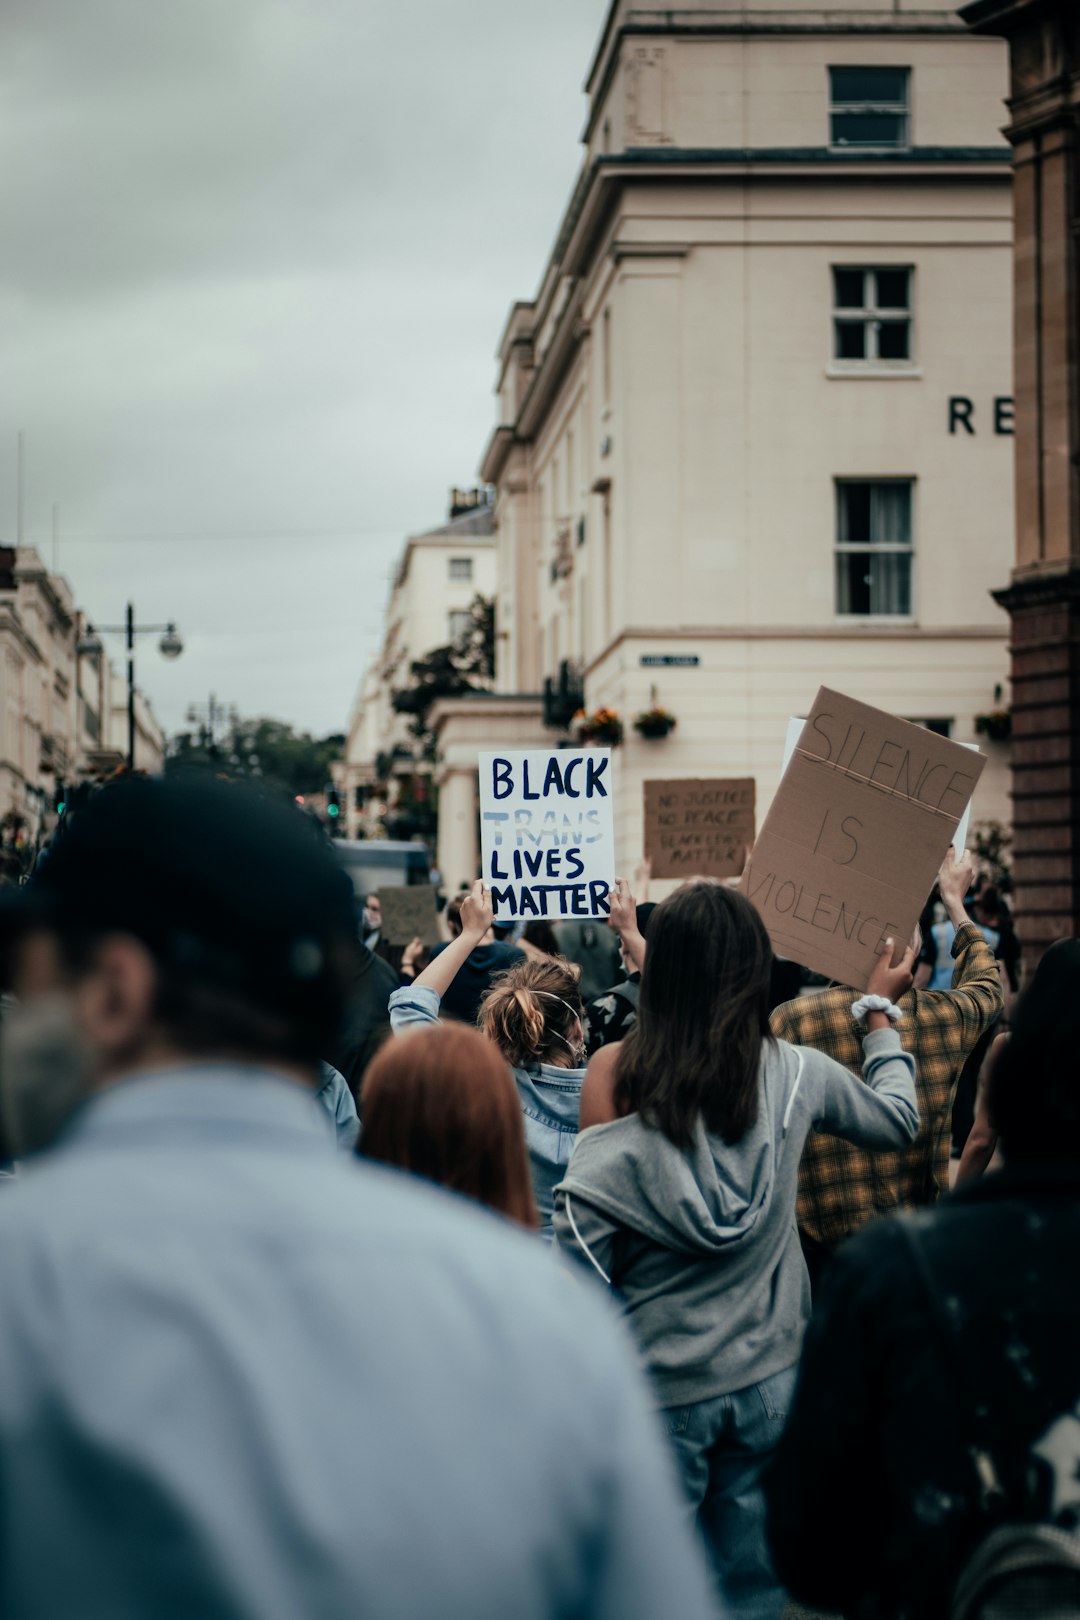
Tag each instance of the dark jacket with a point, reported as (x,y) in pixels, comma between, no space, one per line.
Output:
(474,978)
(873,1498)
(367,1021)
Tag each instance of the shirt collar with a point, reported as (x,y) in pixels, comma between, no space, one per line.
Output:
(234,1102)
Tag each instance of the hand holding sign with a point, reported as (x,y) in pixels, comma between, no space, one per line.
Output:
(888,981)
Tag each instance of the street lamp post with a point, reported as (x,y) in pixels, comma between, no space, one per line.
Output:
(170,646)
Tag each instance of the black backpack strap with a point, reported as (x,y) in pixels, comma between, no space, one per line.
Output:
(977,1434)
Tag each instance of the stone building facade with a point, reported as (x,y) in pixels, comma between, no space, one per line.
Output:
(754,431)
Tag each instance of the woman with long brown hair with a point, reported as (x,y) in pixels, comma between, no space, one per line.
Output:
(534,1015)
(684,1200)
(440,1103)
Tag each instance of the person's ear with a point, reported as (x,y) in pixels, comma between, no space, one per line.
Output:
(115,999)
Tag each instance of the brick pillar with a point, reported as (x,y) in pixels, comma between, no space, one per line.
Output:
(1045,617)
(1043,598)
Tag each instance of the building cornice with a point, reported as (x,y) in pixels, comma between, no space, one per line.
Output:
(10,621)
(496,452)
(594,197)
(655,23)
(876,631)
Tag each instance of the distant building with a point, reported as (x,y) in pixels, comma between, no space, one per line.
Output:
(63,715)
(439,576)
(754,432)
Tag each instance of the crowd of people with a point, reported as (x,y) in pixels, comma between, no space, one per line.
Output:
(576,1274)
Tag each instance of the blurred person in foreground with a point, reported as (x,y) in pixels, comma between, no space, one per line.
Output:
(841,1187)
(440,1102)
(939,1395)
(245,1377)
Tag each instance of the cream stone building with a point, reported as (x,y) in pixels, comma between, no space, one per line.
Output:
(438,577)
(63,715)
(753,433)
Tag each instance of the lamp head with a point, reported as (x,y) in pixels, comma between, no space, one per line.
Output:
(170,645)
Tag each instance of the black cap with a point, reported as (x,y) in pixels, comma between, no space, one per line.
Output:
(213,877)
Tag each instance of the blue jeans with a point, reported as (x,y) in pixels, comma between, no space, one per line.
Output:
(723,1446)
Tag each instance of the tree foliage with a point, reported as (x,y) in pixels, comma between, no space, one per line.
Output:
(283,759)
(464,665)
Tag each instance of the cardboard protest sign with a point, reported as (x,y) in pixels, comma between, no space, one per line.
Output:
(408,914)
(547,833)
(699,828)
(853,840)
(791,742)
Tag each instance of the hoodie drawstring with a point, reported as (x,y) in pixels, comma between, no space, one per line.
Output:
(581,1243)
(794,1090)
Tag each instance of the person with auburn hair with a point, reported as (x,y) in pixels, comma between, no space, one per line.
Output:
(534,1014)
(440,1103)
(683,1197)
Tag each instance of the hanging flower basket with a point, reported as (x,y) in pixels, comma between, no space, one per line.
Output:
(997,725)
(655,722)
(602,727)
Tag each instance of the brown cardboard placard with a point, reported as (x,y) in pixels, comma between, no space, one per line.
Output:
(408,914)
(699,827)
(853,839)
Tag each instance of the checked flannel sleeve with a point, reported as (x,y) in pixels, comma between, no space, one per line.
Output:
(842,1187)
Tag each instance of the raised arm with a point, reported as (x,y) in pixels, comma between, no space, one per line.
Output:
(983,1136)
(623,919)
(882,1112)
(476,916)
(976,997)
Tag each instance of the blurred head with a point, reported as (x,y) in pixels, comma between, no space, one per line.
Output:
(703,1013)
(372,913)
(173,920)
(534,1014)
(1035,1084)
(453,915)
(542,935)
(987,905)
(440,1102)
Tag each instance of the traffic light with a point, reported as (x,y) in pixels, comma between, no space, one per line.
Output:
(333,804)
(60,800)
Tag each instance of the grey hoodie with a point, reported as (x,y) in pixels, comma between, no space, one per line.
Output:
(701,1242)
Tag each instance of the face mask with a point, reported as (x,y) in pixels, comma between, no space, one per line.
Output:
(45,1071)
(576,1052)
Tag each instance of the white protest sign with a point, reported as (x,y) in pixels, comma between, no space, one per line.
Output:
(547,834)
(791,742)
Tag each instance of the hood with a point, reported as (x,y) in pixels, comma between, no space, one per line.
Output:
(703,1199)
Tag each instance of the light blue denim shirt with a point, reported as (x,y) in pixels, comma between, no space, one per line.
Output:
(550,1101)
(334,1096)
(245,1377)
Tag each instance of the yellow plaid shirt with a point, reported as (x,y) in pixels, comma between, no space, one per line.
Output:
(840,1186)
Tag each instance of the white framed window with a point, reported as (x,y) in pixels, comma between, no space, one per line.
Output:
(460,623)
(874,547)
(872,315)
(461,568)
(869,106)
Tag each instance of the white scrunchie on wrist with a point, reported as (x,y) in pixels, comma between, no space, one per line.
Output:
(881,1004)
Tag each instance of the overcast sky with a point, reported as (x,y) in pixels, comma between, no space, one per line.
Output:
(256,258)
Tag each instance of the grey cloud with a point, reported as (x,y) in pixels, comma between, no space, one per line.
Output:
(257,256)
